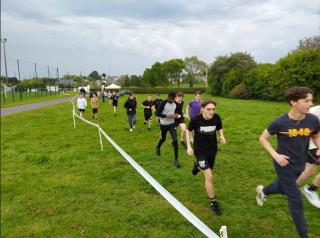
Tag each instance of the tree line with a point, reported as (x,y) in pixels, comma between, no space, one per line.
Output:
(238,75)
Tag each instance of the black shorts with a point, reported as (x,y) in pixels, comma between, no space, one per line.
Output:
(179,121)
(81,110)
(205,161)
(147,116)
(312,157)
(94,110)
(115,104)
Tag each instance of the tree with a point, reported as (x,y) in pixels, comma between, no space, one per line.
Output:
(94,75)
(228,71)
(309,42)
(104,76)
(193,67)
(173,69)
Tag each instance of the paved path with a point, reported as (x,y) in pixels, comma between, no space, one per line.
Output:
(10,110)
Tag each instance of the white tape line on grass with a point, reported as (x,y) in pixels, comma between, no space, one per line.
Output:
(171,199)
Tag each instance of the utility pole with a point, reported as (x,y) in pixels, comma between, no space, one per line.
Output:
(35,70)
(19,69)
(48,72)
(5,57)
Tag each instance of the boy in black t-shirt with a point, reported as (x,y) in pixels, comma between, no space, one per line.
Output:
(147,110)
(293,130)
(114,99)
(156,104)
(131,107)
(205,126)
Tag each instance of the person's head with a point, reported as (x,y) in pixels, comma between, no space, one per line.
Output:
(113,92)
(208,108)
(149,97)
(131,95)
(300,98)
(95,94)
(171,96)
(179,96)
(197,95)
(158,95)
(81,95)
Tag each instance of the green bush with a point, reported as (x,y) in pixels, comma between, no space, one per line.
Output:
(239,91)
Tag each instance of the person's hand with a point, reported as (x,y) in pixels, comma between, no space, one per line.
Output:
(223,140)
(190,151)
(170,116)
(282,160)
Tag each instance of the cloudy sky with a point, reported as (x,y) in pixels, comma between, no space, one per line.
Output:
(127,36)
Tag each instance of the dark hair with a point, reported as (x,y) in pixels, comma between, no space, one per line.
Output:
(208,101)
(296,93)
(172,94)
(130,93)
(179,94)
(197,92)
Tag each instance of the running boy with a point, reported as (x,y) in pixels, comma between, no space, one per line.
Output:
(313,162)
(293,130)
(180,117)
(94,105)
(147,109)
(131,106)
(114,99)
(166,114)
(205,127)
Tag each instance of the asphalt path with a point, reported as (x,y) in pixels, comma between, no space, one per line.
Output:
(15,109)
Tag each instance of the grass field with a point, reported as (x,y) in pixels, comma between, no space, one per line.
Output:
(56,182)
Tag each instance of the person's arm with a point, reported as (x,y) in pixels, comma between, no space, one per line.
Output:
(282,160)
(160,109)
(222,138)
(316,140)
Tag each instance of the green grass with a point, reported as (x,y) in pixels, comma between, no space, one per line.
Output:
(15,99)
(56,182)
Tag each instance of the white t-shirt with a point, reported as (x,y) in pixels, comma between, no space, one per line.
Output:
(315,111)
(81,103)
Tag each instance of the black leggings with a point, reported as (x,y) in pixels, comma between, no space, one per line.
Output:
(286,184)
(173,133)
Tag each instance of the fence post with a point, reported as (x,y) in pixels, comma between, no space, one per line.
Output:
(12,91)
(4,96)
(100,137)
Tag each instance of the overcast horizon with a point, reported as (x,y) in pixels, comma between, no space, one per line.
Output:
(125,37)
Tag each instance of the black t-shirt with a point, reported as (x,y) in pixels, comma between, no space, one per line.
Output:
(157,103)
(147,103)
(179,108)
(205,138)
(114,99)
(293,137)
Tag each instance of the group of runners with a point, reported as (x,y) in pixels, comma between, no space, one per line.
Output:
(295,159)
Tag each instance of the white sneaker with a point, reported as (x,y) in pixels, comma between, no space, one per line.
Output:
(261,197)
(131,130)
(312,196)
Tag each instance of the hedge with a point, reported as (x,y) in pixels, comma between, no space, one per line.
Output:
(163,90)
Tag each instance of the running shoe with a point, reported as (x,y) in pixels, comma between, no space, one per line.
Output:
(312,196)
(215,208)
(261,197)
(176,163)
(195,169)
(157,151)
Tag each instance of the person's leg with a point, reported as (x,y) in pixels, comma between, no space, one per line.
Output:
(130,121)
(208,183)
(173,134)
(311,169)
(183,131)
(134,119)
(287,181)
(163,129)
(115,110)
